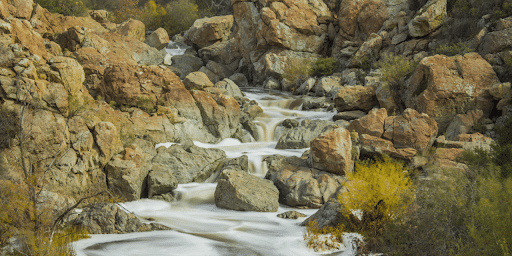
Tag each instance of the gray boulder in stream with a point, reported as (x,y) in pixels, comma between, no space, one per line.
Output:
(187,163)
(301,136)
(241,191)
(107,218)
(299,185)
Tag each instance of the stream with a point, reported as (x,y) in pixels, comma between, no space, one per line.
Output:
(198,226)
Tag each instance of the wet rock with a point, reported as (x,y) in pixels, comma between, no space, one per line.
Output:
(244,192)
(291,215)
(240,80)
(239,163)
(316,103)
(272,84)
(301,136)
(188,163)
(332,152)
(161,182)
(106,218)
(305,87)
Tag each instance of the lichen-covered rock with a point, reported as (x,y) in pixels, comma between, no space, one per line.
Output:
(462,124)
(355,98)
(429,18)
(301,136)
(371,124)
(158,39)
(132,28)
(244,192)
(377,147)
(332,152)
(197,80)
(161,182)
(188,163)
(411,130)
(443,87)
(207,31)
(105,218)
(108,140)
(300,186)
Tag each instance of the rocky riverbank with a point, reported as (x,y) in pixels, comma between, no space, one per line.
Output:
(101,95)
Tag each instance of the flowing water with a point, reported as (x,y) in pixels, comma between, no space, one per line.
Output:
(198,226)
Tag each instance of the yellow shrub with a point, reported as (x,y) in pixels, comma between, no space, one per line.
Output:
(297,71)
(382,190)
(153,15)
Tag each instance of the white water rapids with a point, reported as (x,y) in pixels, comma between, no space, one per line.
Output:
(198,226)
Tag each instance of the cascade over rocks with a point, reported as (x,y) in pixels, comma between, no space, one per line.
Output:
(244,192)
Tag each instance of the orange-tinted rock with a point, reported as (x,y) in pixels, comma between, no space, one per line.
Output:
(372,146)
(411,130)
(132,28)
(331,152)
(371,124)
(443,87)
(207,31)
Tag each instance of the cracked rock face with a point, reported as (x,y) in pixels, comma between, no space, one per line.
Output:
(443,87)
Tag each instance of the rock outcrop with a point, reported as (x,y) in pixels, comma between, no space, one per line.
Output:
(443,87)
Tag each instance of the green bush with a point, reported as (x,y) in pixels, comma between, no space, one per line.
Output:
(502,149)
(325,66)
(297,71)
(64,7)
(180,15)
(393,68)
(460,48)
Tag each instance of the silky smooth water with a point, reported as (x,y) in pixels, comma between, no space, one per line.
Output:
(198,226)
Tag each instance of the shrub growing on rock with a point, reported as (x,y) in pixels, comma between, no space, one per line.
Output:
(459,48)
(65,7)
(297,72)
(393,68)
(325,67)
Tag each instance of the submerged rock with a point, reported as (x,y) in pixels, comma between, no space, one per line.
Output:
(291,215)
(244,192)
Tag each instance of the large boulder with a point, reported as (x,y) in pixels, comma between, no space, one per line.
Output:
(24,34)
(332,152)
(411,130)
(221,113)
(127,172)
(70,74)
(371,124)
(161,183)
(226,52)
(328,86)
(158,39)
(245,192)
(300,186)
(428,19)
(105,218)
(330,214)
(355,98)
(276,60)
(188,163)
(132,28)
(301,136)
(443,87)
(230,87)
(498,40)
(207,31)
(21,9)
